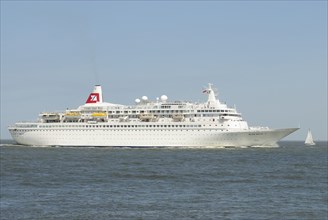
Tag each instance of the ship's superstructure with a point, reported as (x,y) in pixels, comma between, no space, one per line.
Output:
(146,124)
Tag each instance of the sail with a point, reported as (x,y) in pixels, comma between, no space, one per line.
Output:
(309,139)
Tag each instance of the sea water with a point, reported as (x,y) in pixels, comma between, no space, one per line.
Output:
(286,182)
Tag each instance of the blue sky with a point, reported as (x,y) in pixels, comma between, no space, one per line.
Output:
(269,58)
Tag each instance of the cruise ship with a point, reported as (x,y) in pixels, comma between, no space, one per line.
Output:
(146,123)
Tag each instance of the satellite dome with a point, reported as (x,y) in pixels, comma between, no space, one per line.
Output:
(137,100)
(164,98)
(144,98)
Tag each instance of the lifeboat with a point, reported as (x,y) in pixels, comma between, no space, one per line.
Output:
(99,114)
(72,114)
(47,117)
(147,117)
(124,119)
(178,117)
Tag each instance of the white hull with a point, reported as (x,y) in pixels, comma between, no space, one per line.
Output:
(159,123)
(148,137)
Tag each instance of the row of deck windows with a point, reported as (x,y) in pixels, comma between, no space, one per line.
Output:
(148,111)
(21,131)
(166,111)
(215,110)
(119,126)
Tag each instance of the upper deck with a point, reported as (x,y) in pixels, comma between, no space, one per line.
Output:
(161,111)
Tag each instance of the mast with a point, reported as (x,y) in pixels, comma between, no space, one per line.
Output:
(211,100)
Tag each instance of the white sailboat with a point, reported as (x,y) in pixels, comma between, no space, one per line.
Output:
(309,138)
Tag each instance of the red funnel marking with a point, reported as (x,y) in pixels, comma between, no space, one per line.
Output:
(93,98)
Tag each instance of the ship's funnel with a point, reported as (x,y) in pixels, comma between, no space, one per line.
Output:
(96,95)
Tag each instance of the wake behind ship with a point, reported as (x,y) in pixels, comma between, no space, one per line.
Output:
(158,123)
